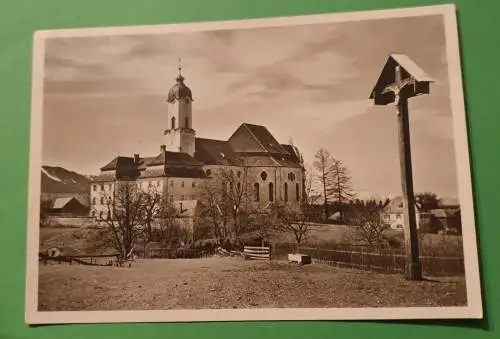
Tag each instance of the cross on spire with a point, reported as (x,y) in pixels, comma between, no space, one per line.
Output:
(179,78)
(399,83)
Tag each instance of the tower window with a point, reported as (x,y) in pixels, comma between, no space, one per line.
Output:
(172,122)
(186,122)
(263,176)
(182,183)
(256,191)
(102,201)
(100,215)
(286,191)
(297,196)
(93,201)
(271,191)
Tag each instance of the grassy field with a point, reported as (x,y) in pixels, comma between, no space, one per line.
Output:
(234,283)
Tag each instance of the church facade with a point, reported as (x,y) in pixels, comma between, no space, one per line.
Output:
(268,171)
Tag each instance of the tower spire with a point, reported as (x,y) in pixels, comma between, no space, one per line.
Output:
(179,78)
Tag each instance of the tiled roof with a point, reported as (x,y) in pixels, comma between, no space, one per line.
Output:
(215,152)
(119,162)
(255,138)
(292,153)
(174,159)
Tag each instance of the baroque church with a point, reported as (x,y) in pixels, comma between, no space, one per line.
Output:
(273,172)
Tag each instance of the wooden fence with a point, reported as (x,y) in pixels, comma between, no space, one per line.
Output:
(384,261)
(168,253)
(94,260)
(257,253)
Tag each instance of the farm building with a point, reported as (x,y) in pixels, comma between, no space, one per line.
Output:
(68,206)
(392,214)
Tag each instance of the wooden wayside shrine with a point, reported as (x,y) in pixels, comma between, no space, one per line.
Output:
(400,80)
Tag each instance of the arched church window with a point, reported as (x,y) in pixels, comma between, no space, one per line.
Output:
(172,122)
(256,191)
(238,186)
(263,176)
(271,191)
(186,122)
(231,187)
(286,191)
(238,174)
(297,196)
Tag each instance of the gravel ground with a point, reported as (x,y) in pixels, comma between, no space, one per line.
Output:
(234,283)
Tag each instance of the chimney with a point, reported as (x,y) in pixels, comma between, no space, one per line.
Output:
(136,159)
(163,148)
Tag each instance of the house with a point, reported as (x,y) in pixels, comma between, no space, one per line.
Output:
(68,206)
(392,214)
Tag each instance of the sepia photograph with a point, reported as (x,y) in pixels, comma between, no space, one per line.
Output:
(295,168)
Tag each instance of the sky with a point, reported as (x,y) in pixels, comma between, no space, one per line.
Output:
(105,95)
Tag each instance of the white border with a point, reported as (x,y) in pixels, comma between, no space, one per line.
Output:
(472,310)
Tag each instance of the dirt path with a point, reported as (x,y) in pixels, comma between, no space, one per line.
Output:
(233,283)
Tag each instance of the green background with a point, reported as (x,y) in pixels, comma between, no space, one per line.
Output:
(480,44)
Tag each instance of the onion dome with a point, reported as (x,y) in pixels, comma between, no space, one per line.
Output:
(179,91)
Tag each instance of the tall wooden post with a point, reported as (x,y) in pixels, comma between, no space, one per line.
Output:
(400,80)
(413,269)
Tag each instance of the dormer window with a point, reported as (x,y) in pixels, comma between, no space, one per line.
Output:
(172,123)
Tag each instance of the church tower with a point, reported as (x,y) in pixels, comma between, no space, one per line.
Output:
(179,135)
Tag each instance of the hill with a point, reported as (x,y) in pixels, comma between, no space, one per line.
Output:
(60,182)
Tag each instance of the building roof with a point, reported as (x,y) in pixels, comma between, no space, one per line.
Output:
(449,202)
(438,213)
(215,152)
(411,67)
(293,153)
(119,162)
(255,138)
(396,206)
(62,202)
(173,159)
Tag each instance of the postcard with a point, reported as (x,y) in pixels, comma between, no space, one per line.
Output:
(295,168)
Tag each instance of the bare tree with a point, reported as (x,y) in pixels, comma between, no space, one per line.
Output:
(224,198)
(323,165)
(154,206)
(295,221)
(370,229)
(341,191)
(125,217)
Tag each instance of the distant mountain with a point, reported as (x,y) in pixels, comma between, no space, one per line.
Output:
(60,182)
